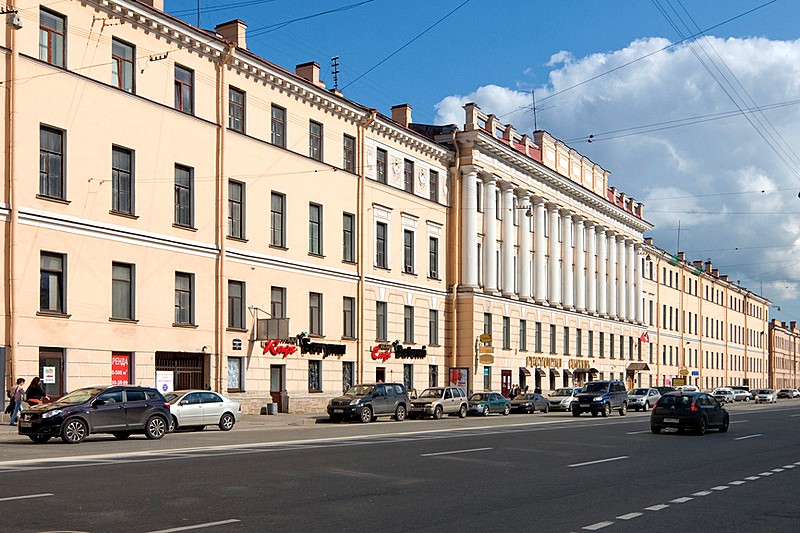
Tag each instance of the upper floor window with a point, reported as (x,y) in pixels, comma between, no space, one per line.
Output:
(184,89)
(380,165)
(278,221)
(408,324)
(184,196)
(381,331)
(184,298)
(408,251)
(349,317)
(277,306)
(433,184)
(236,209)
(408,176)
(278,126)
(51,163)
(51,38)
(121,180)
(236,304)
(122,291)
(122,71)
(381,230)
(315,229)
(236,109)
(315,140)
(348,237)
(349,153)
(433,257)
(315,313)
(52,291)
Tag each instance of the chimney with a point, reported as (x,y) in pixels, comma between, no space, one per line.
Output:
(682,256)
(402,114)
(309,72)
(158,4)
(708,267)
(793,324)
(233,31)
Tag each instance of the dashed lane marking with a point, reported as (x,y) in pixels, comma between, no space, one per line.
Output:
(764,474)
(197,526)
(720,487)
(598,461)
(748,436)
(26,497)
(737,483)
(752,478)
(684,499)
(453,451)
(629,516)
(658,507)
(702,493)
(599,525)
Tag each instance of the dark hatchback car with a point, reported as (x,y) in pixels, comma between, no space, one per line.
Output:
(696,411)
(120,410)
(528,402)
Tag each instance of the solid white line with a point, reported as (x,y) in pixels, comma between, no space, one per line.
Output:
(793,415)
(681,500)
(454,451)
(629,516)
(599,525)
(657,507)
(198,526)
(44,495)
(748,436)
(598,461)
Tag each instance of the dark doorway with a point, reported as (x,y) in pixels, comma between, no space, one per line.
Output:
(505,382)
(276,386)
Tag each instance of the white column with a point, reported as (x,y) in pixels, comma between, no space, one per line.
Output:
(539,252)
(554,266)
(611,287)
(469,228)
(591,267)
(637,275)
(489,234)
(507,249)
(580,265)
(630,278)
(524,241)
(567,294)
(602,273)
(622,279)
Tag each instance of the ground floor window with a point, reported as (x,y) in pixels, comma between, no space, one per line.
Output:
(433,376)
(51,371)
(347,375)
(235,374)
(315,376)
(408,376)
(487,378)
(380,374)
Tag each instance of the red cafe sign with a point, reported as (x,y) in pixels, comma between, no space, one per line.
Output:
(381,353)
(277,348)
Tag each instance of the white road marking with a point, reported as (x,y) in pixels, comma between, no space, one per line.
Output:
(598,461)
(657,507)
(788,466)
(765,474)
(797,463)
(454,451)
(740,482)
(637,432)
(197,526)
(681,500)
(777,470)
(720,487)
(702,493)
(793,415)
(10,498)
(599,525)
(752,478)
(748,436)
(629,516)
(739,421)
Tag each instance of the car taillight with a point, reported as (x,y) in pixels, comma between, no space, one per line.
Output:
(166,406)
(694,407)
(657,402)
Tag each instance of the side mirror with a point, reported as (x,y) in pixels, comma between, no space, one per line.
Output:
(184,402)
(98,403)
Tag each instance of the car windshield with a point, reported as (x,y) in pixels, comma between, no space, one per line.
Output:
(80,396)
(359,390)
(721,391)
(528,396)
(431,393)
(561,392)
(171,397)
(596,387)
(765,391)
(478,397)
(638,392)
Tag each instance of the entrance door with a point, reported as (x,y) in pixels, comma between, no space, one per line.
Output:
(505,382)
(51,371)
(276,389)
(380,375)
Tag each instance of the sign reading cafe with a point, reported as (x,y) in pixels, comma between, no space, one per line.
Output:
(287,347)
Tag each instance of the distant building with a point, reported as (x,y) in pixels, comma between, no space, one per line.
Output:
(784,342)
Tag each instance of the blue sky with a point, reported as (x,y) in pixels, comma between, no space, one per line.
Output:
(732,183)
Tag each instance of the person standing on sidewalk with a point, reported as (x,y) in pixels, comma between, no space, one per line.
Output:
(17,396)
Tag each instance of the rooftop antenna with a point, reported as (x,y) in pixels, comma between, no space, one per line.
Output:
(533,106)
(335,71)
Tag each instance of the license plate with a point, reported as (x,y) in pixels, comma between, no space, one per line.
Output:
(338,410)
(670,420)
(24,424)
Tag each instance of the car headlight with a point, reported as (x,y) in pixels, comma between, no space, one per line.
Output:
(597,399)
(355,402)
(51,414)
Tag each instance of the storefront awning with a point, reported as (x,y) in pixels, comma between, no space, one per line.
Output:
(524,371)
(567,373)
(554,372)
(637,367)
(577,371)
(540,372)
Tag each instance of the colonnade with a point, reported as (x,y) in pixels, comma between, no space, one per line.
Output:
(598,271)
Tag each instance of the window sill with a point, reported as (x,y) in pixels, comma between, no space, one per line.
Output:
(278,247)
(181,226)
(238,330)
(123,320)
(386,268)
(347,262)
(315,392)
(237,239)
(315,336)
(236,391)
(188,326)
(312,254)
(53,199)
(434,278)
(348,338)
(123,214)
(53,314)
(414,274)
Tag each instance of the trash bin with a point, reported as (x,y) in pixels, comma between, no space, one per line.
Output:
(272,408)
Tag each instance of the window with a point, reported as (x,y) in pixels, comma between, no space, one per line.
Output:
(315,376)
(236,304)
(315,229)
(348,239)
(611,345)
(348,371)
(381,230)
(235,209)
(315,140)
(121,180)
(566,340)
(578,342)
(487,323)
(184,196)
(506,333)
(236,109)
(552,338)
(408,176)
(349,317)
(349,156)
(315,313)
(184,304)
(51,163)
(380,321)
(235,374)
(433,327)
(591,344)
(523,335)
(408,251)
(602,345)
(52,293)
(380,166)
(433,375)
(408,324)
(51,38)
(537,337)
(277,305)
(408,375)
(184,89)
(122,72)
(433,185)
(122,291)
(278,126)
(277,220)
(487,378)
(433,258)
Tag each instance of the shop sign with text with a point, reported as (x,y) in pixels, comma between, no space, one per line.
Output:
(281,348)
(381,352)
(543,362)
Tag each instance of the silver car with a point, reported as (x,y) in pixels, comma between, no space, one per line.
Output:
(439,401)
(197,409)
(742,395)
(766,395)
(642,399)
(561,399)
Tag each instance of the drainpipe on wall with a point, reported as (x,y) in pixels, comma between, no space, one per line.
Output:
(362,215)
(454,225)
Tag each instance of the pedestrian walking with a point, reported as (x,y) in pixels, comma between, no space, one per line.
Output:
(35,393)
(17,396)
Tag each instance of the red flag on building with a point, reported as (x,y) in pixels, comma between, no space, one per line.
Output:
(644,337)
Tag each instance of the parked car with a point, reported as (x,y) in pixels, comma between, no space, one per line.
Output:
(741,394)
(529,402)
(643,398)
(687,388)
(601,397)
(197,409)
(795,393)
(697,411)
(483,403)
(439,401)
(766,395)
(561,399)
(723,395)
(369,401)
(665,389)
(121,410)
(786,393)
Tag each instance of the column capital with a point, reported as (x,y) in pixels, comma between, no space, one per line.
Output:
(523,194)
(551,206)
(487,178)
(578,219)
(620,237)
(565,213)
(611,234)
(538,200)
(599,228)
(638,247)
(468,169)
(505,185)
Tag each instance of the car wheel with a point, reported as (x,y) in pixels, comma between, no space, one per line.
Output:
(701,427)
(462,413)
(366,414)
(623,409)
(655,429)
(74,431)
(725,423)
(575,412)
(646,406)
(485,410)
(437,412)
(400,413)
(155,428)
(226,422)
(607,409)
(39,439)
(506,410)
(122,435)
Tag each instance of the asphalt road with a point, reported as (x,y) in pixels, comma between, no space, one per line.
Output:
(523,472)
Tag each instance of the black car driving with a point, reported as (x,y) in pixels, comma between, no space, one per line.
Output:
(696,411)
(120,410)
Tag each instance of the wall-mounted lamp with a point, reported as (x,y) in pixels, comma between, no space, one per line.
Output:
(527,208)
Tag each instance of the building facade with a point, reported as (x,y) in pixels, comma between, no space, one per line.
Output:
(784,341)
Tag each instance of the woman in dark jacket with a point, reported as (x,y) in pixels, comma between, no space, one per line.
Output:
(35,393)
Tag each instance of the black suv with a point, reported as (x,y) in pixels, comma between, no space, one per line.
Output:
(369,401)
(120,410)
(601,397)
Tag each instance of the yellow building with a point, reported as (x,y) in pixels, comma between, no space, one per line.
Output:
(784,341)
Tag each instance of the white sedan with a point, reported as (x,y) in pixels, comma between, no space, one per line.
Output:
(766,395)
(197,409)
